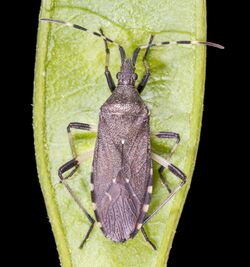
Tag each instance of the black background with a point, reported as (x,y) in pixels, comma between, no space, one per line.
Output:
(205,232)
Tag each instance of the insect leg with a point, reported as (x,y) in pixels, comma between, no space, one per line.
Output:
(107,73)
(168,135)
(74,163)
(79,126)
(177,172)
(145,78)
(77,160)
(66,167)
(147,239)
(77,200)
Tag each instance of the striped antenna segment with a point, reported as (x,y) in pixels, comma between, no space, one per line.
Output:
(78,27)
(183,43)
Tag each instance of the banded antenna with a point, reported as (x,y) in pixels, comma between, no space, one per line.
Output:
(97,34)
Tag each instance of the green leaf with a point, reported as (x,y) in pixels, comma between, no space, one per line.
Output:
(70,86)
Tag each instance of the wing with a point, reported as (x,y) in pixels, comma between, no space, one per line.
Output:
(119,212)
(121,173)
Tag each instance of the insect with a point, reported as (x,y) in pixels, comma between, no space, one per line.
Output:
(121,177)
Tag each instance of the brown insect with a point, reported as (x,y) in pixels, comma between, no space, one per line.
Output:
(121,179)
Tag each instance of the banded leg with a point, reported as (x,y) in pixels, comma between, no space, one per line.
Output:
(169,135)
(66,167)
(145,78)
(107,73)
(77,200)
(79,126)
(147,239)
(74,164)
(177,172)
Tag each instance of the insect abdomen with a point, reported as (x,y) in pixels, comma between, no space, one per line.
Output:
(121,174)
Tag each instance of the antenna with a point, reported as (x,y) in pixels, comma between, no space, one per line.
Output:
(195,42)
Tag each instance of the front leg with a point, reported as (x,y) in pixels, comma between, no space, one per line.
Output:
(107,73)
(145,78)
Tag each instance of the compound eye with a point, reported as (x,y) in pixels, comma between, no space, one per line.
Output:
(118,75)
(135,76)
